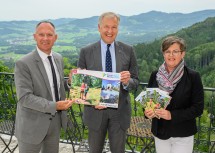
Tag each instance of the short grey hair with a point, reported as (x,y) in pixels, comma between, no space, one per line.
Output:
(109,15)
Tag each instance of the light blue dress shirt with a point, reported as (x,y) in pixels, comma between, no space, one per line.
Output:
(113,58)
(103,54)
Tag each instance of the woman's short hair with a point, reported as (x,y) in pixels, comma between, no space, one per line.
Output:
(170,40)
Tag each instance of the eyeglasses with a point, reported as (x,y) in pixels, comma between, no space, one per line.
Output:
(174,52)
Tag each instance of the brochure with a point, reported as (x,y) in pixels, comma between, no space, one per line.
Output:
(153,98)
(95,87)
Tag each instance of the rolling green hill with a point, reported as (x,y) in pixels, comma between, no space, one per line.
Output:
(144,31)
(135,29)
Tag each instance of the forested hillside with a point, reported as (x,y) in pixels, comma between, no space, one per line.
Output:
(200,54)
(16,40)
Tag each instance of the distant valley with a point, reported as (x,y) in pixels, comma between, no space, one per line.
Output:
(144,31)
(16,36)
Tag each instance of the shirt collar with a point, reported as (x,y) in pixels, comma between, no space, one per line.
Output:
(42,54)
(104,45)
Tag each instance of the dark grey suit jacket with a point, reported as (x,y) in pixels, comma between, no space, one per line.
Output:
(35,105)
(90,59)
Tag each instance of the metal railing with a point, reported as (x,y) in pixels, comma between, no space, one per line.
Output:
(7,109)
(138,139)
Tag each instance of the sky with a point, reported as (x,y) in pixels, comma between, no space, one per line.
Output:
(54,9)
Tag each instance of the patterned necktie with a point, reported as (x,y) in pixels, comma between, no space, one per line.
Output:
(54,79)
(108,61)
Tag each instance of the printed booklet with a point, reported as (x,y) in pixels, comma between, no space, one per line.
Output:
(154,98)
(95,87)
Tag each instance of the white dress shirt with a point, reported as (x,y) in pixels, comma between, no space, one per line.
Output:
(47,66)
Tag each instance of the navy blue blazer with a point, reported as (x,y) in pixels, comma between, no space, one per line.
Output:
(186,104)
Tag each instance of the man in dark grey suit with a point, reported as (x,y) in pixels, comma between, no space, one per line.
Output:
(41,108)
(121,58)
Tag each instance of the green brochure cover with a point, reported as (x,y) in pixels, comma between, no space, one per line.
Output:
(95,87)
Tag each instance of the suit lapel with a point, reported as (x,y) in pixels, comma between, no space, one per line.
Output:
(42,70)
(60,70)
(58,64)
(97,56)
(118,53)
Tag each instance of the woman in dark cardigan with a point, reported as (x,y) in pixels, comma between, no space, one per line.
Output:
(175,129)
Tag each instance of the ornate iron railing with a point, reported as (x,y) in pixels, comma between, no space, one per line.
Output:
(139,137)
(205,137)
(7,109)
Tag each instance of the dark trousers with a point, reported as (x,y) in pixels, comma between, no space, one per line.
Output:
(111,125)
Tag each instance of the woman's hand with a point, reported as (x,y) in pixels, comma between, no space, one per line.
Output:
(149,113)
(162,113)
